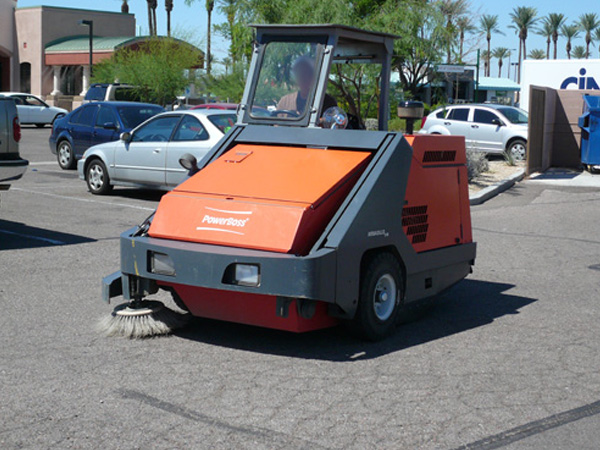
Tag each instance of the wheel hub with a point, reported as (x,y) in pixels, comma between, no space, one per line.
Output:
(385,297)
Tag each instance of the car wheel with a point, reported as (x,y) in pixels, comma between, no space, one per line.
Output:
(97,178)
(381,297)
(40,125)
(518,150)
(65,155)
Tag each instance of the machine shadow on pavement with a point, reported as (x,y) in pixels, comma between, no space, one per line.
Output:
(470,304)
(138,194)
(16,235)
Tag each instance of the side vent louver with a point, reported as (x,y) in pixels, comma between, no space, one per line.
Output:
(414,221)
(433,156)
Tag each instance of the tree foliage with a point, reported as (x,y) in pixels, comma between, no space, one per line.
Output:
(157,69)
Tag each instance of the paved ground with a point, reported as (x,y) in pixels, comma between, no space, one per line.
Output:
(511,357)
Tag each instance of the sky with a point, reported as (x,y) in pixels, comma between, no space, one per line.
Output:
(191,21)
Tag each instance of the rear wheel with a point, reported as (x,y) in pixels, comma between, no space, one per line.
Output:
(97,178)
(517,149)
(380,300)
(65,155)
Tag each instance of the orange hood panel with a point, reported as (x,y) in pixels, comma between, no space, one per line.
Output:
(261,197)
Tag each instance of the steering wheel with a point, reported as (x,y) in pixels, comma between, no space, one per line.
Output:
(289,112)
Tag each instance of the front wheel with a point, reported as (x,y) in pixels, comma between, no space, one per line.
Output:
(381,297)
(65,155)
(517,150)
(97,178)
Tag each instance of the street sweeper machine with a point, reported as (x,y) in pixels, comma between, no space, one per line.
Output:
(299,218)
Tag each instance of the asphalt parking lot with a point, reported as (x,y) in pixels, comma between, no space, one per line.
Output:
(509,358)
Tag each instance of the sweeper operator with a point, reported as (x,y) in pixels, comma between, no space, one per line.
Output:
(299,218)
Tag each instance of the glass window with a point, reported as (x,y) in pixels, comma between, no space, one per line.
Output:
(86,115)
(286,80)
(30,100)
(514,115)
(133,115)
(223,122)
(126,94)
(74,116)
(96,93)
(441,114)
(18,100)
(461,114)
(483,116)
(105,115)
(157,130)
(190,129)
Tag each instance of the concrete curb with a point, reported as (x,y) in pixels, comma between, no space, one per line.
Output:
(495,189)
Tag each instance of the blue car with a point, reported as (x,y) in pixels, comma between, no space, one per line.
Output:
(95,123)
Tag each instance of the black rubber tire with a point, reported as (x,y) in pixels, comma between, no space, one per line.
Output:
(40,125)
(514,143)
(97,178)
(366,322)
(68,163)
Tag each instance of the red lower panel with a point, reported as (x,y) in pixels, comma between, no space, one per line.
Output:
(250,309)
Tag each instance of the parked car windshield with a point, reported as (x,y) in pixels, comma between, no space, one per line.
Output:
(96,93)
(133,115)
(223,122)
(514,115)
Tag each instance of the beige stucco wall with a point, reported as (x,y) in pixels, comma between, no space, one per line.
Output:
(40,25)
(8,37)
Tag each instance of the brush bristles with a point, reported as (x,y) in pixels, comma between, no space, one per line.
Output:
(155,323)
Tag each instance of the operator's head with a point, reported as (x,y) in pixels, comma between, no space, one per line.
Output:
(304,72)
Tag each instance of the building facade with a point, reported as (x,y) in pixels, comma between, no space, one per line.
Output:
(41,49)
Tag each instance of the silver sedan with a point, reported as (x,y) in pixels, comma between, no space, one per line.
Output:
(148,157)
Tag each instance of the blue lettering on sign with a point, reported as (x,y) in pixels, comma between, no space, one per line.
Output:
(582,82)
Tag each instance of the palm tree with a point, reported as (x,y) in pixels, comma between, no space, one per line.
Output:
(488,24)
(486,56)
(452,10)
(554,22)
(464,25)
(169,8)
(500,53)
(589,23)
(524,18)
(597,36)
(150,23)
(546,31)
(579,52)
(537,53)
(570,32)
(210,5)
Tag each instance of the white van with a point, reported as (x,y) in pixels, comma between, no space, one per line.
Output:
(12,166)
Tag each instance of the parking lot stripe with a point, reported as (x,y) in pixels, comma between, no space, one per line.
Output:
(37,238)
(42,163)
(85,200)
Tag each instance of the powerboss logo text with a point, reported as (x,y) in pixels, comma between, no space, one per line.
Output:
(227,221)
(582,82)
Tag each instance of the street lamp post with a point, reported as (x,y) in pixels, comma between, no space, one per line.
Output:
(515,65)
(90,24)
(509,55)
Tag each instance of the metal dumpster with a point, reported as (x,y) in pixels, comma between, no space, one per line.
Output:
(589,122)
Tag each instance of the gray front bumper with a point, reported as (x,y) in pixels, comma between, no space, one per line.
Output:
(12,169)
(202,265)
